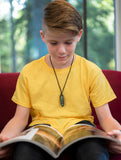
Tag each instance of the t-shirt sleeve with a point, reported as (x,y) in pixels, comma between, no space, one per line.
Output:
(21,95)
(100,90)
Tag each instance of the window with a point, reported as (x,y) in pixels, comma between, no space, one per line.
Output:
(20,41)
(98,35)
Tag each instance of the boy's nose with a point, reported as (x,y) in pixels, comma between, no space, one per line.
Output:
(61,49)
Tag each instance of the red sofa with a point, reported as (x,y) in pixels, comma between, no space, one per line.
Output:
(7,107)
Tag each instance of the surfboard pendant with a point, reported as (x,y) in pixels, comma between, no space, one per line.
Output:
(62,100)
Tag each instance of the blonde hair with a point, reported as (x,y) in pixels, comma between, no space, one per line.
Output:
(60,15)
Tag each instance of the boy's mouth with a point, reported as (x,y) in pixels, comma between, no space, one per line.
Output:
(62,57)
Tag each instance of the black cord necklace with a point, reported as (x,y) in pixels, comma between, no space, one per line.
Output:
(61,90)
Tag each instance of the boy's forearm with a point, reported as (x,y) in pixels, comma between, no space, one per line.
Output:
(111,124)
(17,123)
(106,120)
(13,128)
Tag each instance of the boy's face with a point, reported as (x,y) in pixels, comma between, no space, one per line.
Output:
(61,47)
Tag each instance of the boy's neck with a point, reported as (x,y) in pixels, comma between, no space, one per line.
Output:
(58,66)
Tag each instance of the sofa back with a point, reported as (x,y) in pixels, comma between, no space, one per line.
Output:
(8,83)
(7,87)
(114,78)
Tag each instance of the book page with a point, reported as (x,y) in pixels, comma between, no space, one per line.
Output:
(49,137)
(79,131)
(25,135)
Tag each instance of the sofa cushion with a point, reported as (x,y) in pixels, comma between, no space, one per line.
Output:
(7,107)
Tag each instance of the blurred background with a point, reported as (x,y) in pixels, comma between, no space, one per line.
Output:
(20,25)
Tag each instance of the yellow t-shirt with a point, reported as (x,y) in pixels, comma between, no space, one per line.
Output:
(38,90)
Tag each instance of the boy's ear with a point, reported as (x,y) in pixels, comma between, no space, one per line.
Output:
(42,36)
(80,35)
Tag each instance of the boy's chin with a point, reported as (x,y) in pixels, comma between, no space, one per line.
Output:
(63,64)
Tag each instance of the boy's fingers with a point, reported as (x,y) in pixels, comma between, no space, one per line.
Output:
(115,149)
(2,153)
(5,152)
(3,138)
(115,134)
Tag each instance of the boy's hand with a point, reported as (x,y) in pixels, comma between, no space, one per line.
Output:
(116,134)
(3,138)
(5,151)
(115,148)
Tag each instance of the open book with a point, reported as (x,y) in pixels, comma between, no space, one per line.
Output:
(54,143)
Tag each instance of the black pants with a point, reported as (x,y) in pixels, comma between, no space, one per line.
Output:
(90,149)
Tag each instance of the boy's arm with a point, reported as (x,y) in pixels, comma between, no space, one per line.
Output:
(13,128)
(106,120)
(16,124)
(110,125)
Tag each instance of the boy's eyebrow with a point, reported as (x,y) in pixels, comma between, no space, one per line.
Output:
(71,39)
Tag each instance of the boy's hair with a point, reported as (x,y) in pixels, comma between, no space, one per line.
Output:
(61,16)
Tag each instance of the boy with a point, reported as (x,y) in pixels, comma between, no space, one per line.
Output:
(58,87)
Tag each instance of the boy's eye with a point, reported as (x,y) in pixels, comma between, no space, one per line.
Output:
(53,43)
(68,43)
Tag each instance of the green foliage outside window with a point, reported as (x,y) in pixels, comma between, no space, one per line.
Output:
(20,41)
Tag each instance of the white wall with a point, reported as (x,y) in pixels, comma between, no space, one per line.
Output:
(118,33)
(0,64)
